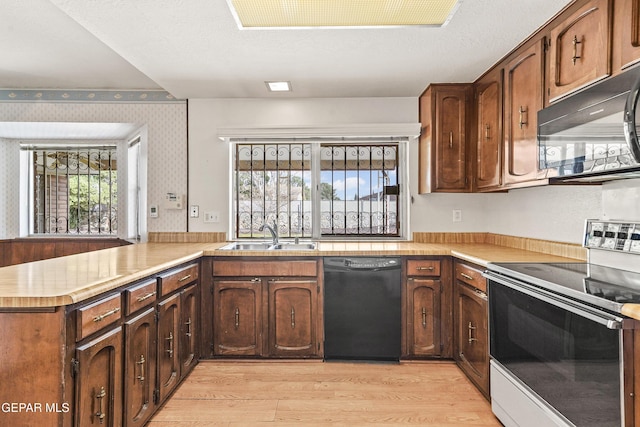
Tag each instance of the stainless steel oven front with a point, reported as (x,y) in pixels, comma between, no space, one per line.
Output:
(556,361)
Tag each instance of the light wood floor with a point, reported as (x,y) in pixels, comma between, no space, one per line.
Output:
(224,393)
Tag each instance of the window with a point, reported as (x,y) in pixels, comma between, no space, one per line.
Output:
(317,189)
(73,190)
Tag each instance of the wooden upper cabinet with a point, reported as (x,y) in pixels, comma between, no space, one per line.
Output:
(626,33)
(523,98)
(488,148)
(580,49)
(443,140)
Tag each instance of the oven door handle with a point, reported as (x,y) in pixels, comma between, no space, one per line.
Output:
(606,319)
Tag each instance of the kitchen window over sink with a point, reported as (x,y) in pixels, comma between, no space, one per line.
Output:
(314,189)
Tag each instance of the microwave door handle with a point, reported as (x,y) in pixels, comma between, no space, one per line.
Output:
(629,125)
(611,322)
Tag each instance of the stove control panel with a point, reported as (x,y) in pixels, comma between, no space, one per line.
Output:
(619,236)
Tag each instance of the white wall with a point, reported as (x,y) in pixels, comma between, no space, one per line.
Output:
(209,175)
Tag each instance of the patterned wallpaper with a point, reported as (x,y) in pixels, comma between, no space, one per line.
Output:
(166,123)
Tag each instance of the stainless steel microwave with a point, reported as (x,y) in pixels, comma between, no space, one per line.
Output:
(593,134)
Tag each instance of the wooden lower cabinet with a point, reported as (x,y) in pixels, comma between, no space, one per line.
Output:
(471,325)
(293,312)
(427,322)
(423,317)
(257,315)
(99,381)
(189,333)
(168,334)
(140,368)
(237,312)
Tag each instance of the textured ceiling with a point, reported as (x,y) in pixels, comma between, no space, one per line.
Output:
(194,49)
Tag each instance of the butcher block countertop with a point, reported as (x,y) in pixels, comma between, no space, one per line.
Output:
(71,279)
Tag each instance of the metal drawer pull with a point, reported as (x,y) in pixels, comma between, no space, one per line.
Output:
(141,362)
(170,339)
(575,43)
(188,323)
(450,139)
(237,318)
(107,314)
(424,317)
(425,268)
(146,297)
(182,279)
(471,329)
(466,276)
(293,318)
(99,397)
(523,120)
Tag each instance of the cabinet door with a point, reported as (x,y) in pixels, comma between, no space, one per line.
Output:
(626,28)
(168,332)
(293,315)
(189,329)
(472,350)
(423,317)
(489,131)
(140,368)
(99,381)
(579,51)
(451,139)
(523,99)
(237,328)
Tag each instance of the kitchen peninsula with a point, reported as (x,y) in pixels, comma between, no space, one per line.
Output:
(70,322)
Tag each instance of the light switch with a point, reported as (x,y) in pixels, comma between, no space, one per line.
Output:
(213,216)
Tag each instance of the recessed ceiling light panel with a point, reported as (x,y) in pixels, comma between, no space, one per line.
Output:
(279,86)
(341,13)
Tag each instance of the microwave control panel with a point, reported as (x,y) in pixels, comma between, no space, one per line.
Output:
(619,236)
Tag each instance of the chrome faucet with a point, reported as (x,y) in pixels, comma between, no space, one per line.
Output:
(273,230)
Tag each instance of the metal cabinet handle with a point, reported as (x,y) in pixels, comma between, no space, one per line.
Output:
(170,350)
(575,43)
(424,317)
(466,276)
(237,318)
(100,397)
(182,279)
(293,318)
(450,139)
(107,314)
(471,329)
(487,132)
(141,362)
(424,268)
(522,121)
(146,297)
(188,323)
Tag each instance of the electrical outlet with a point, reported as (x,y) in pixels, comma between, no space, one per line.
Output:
(457,215)
(212,216)
(194,211)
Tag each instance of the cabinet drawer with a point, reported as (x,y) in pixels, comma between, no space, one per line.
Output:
(93,317)
(140,296)
(471,276)
(265,268)
(177,279)
(423,267)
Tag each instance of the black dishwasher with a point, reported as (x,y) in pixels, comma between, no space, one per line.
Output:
(362,316)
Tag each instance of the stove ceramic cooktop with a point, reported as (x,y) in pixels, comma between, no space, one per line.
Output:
(602,286)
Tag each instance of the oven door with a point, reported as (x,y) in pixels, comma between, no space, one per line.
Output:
(563,357)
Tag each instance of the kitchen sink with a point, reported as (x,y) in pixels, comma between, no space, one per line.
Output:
(244,246)
(268,246)
(308,246)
